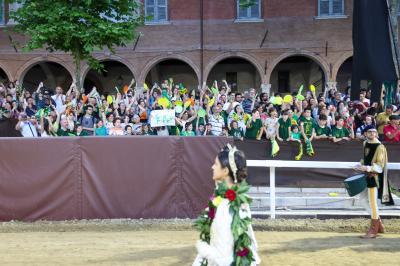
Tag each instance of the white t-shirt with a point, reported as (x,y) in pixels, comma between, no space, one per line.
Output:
(28,130)
(217,123)
(271,124)
(116,131)
(60,100)
(163,132)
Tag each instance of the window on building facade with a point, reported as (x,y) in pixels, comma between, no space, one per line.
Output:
(327,8)
(156,11)
(11,8)
(253,11)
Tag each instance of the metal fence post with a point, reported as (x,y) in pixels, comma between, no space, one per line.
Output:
(272,191)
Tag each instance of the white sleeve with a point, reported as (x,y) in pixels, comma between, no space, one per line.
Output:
(220,250)
(375,168)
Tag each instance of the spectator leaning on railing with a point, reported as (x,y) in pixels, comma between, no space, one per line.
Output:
(208,111)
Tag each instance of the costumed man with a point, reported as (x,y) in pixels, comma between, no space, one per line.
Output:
(374,165)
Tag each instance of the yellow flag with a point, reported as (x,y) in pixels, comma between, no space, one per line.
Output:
(274,148)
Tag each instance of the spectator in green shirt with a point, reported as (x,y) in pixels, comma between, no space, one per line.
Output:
(307,125)
(295,134)
(253,126)
(188,132)
(101,129)
(61,127)
(284,126)
(236,132)
(80,132)
(293,117)
(322,131)
(340,133)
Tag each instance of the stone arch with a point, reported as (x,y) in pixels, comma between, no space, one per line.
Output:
(214,61)
(52,70)
(21,72)
(86,68)
(153,62)
(339,63)
(119,70)
(317,59)
(6,71)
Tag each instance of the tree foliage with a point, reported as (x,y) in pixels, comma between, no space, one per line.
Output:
(77,27)
(247,3)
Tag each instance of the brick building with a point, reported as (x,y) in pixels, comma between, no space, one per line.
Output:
(284,43)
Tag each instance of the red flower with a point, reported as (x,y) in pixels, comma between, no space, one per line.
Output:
(230,194)
(243,253)
(211,213)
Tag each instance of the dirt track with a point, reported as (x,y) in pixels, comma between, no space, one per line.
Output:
(152,247)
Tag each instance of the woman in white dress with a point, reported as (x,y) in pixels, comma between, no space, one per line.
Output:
(222,247)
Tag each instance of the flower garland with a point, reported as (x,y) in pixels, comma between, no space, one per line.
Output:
(237,196)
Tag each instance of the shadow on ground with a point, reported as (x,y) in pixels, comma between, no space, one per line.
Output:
(354,243)
(183,254)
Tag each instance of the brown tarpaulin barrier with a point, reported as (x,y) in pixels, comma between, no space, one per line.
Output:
(139,177)
(7,128)
(301,177)
(87,178)
(39,179)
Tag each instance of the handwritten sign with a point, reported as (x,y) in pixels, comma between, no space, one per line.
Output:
(160,118)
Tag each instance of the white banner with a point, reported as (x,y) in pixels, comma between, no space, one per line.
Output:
(160,118)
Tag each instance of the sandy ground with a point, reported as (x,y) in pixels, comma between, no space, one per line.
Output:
(153,247)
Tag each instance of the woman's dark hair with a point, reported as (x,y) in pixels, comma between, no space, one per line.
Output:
(240,161)
(46,126)
(237,106)
(187,125)
(323,117)
(273,109)
(371,111)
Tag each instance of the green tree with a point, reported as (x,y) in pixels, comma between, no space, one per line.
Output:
(77,27)
(246,3)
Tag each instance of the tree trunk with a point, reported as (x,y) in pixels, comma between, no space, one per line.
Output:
(78,82)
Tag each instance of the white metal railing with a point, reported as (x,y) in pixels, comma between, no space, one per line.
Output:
(271,164)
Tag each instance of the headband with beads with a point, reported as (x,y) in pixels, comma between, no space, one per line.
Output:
(231,158)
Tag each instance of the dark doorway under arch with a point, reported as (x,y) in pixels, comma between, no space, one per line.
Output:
(114,74)
(50,73)
(239,73)
(294,71)
(180,71)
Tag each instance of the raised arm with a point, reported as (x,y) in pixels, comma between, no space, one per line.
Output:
(131,84)
(56,125)
(228,89)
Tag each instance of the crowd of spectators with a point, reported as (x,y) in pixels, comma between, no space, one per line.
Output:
(214,110)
